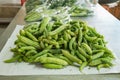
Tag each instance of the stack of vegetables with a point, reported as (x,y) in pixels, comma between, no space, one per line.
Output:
(56,41)
(57,45)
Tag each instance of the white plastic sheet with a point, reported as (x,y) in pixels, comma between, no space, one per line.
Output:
(12,69)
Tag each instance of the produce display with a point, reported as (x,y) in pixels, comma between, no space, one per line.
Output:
(52,8)
(56,45)
(40,12)
(53,40)
(52,4)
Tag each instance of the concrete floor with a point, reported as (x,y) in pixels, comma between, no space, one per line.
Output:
(3,27)
(2,30)
(8,9)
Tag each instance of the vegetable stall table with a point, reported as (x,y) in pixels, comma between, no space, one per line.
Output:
(101,20)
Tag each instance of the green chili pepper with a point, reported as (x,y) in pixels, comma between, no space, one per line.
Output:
(22,33)
(53,60)
(20,44)
(71,33)
(87,48)
(71,43)
(80,56)
(103,66)
(33,16)
(83,65)
(31,52)
(83,52)
(107,60)
(52,66)
(22,49)
(71,57)
(66,59)
(42,45)
(32,37)
(80,35)
(56,31)
(65,36)
(13,59)
(52,42)
(90,38)
(44,23)
(28,41)
(97,55)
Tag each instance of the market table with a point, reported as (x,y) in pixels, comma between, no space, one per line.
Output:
(101,18)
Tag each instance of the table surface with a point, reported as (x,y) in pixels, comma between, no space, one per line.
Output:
(101,18)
